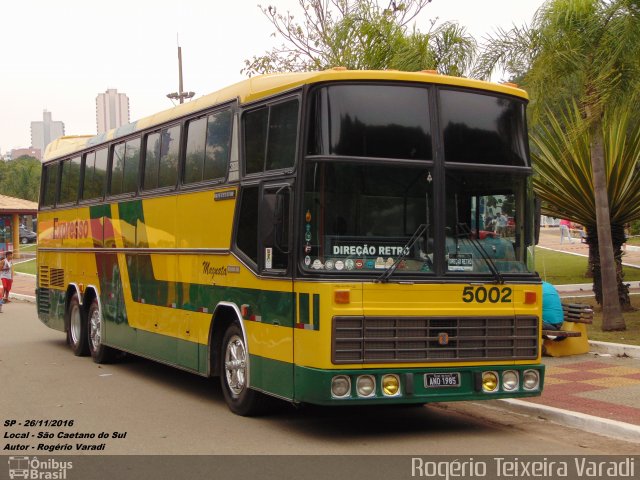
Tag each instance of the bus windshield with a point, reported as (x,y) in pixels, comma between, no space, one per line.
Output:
(361,217)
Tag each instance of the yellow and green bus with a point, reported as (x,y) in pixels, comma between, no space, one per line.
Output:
(335,238)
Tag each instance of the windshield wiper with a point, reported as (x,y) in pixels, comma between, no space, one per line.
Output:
(422,228)
(483,253)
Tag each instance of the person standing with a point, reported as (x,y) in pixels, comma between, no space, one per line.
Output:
(565,225)
(6,274)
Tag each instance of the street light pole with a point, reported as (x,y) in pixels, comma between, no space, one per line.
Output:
(180,95)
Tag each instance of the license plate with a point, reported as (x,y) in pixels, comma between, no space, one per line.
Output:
(440,380)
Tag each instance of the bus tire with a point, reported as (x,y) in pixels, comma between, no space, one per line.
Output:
(100,353)
(77,328)
(234,362)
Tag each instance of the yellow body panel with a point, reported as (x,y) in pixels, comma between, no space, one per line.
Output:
(313,348)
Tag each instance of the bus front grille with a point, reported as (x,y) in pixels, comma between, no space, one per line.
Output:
(426,339)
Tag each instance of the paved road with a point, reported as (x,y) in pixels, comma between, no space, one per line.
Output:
(165,411)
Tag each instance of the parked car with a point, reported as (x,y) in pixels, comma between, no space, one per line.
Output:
(27,236)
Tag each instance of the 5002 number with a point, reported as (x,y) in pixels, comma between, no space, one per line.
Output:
(483,294)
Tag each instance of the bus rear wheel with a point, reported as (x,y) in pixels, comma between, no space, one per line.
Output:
(100,353)
(241,399)
(77,328)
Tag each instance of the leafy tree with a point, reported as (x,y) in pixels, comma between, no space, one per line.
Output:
(360,34)
(20,178)
(587,51)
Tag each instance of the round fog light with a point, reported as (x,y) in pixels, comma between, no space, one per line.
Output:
(390,385)
(509,380)
(489,381)
(531,380)
(340,386)
(366,385)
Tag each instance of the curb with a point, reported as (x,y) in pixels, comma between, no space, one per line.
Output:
(582,421)
(614,349)
(22,298)
(587,287)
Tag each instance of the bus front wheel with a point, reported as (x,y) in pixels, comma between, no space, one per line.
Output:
(100,353)
(234,378)
(77,328)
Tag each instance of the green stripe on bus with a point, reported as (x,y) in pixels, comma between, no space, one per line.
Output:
(274,307)
(316,311)
(99,211)
(271,376)
(131,212)
(303,308)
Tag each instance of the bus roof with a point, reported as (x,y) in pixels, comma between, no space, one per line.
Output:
(261,86)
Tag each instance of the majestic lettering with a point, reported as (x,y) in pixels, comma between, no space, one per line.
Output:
(212,271)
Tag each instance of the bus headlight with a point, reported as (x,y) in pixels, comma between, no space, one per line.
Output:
(390,385)
(509,380)
(340,386)
(489,381)
(531,380)
(366,386)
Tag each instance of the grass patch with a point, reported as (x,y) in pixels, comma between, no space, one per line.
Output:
(28,248)
(630,336)
(25,267)
(560,268)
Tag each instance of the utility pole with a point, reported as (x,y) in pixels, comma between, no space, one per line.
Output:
(180,94)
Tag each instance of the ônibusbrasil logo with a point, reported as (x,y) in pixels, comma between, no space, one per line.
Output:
(32,468)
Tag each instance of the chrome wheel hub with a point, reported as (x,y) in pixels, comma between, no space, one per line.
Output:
(95,332)
(235,365)
(75,324)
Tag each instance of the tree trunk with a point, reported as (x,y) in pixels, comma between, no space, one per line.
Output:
(592,242)
(617,237)
(612,318)
(594,263)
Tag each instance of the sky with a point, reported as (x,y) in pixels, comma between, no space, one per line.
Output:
(58,56)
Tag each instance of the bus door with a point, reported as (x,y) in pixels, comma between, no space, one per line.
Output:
(271,343)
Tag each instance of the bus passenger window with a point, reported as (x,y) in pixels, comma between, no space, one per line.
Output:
(169,154)
(194,159)
(283,128)
(131,165)
(255,134)
(95,172)
(218,141)
(151,162)
(70,180)
(124,167)
(50,185)
(270,135)
(117,169)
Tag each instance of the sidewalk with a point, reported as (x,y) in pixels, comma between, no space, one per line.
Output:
(596,392)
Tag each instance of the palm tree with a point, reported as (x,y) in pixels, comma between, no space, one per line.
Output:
(447,48)
(588,51)
(564,177)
